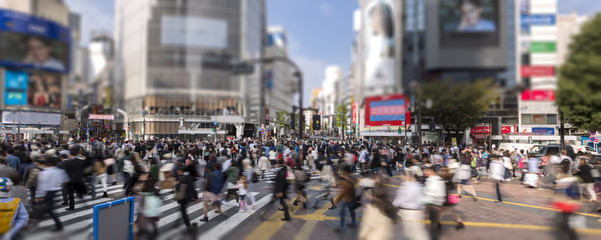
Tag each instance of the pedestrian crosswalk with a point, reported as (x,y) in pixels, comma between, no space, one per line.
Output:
(78,223)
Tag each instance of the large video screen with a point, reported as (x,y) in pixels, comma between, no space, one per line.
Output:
(30,42)
(469,22)
(36,89)
(387,109)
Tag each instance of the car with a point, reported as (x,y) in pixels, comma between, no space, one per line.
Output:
(539,151)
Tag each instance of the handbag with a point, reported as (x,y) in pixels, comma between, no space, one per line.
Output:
(180,195)
(595,172)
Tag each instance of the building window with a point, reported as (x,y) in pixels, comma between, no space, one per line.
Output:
(551,118)
(538,119)
(526,119)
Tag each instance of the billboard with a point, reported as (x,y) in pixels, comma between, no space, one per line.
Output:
(35,89)
(380,59)
(537,71)
(389,109)
(538,95)
(15,88)
(469,22)
(193,31)
(31,118)
(27,41)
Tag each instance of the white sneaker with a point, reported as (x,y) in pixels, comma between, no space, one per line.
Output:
(241,211)
(223,203)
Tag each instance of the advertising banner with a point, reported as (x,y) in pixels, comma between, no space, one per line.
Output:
(543,131)
(354,112)
(538,95)
(33,89)
(469,16)
(31,118)
(537,71)
(15,88)
(481,129)
(27,41)
(380,58)
(542,47)
(101,116)
(389,109)
(538,20)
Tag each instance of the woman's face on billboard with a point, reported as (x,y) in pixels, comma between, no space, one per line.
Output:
(471,13)
(377,20)
(38,50)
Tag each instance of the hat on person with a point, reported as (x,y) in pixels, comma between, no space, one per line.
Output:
(5,186)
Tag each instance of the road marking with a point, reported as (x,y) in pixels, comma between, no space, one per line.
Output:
(516,226)
(521,204)
(268,228)
(305,232)
(533,206)
(225,227)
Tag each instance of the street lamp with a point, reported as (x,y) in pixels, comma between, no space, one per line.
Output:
(144,124)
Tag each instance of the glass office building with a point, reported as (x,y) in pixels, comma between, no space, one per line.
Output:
(173,59)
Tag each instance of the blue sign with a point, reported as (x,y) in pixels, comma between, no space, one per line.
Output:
(538,20)
(269,79)
(27,41)
(544,131)
(15,88)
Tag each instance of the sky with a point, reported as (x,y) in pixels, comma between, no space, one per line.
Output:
(319,31)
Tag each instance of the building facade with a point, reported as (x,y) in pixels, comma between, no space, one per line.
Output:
(173,59)
(280,85)
(36,44)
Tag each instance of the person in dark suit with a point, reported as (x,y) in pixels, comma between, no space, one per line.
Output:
(74,166)
(26,146)
(190,194)
(281,186)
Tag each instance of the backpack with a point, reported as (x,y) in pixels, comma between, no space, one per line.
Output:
(255,177)
(307,176)
(152,205)
(7,212)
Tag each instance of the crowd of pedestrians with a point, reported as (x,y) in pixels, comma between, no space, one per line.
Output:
(433,179)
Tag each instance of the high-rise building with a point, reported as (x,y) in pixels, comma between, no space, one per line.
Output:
(55,10)
(538,62)
(280,86)
(330,91)
(174,61)
(567,26)
(36,60)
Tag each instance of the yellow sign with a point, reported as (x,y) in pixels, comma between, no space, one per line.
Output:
(454,141)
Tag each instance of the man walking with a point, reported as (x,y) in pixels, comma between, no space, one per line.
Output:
(50,181)
(74,167)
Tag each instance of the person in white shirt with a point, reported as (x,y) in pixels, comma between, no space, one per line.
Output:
(411,209)
(50,181)
(434,195)
(497,173)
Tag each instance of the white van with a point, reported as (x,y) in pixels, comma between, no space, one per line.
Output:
(512,146)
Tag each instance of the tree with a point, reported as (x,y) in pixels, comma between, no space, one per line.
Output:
(341,117)
(282,121)
(579,92)
(457,106)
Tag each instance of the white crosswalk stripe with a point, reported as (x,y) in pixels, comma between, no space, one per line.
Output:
(81,218)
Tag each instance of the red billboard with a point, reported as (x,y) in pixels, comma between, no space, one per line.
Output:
(354,112)
(537,71)
(538,95)
(388,109)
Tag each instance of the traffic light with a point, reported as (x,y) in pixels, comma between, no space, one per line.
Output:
(432,125)
(292,120)
(316,122)
(399,130)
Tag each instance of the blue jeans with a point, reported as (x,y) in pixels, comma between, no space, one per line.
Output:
(341,207)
